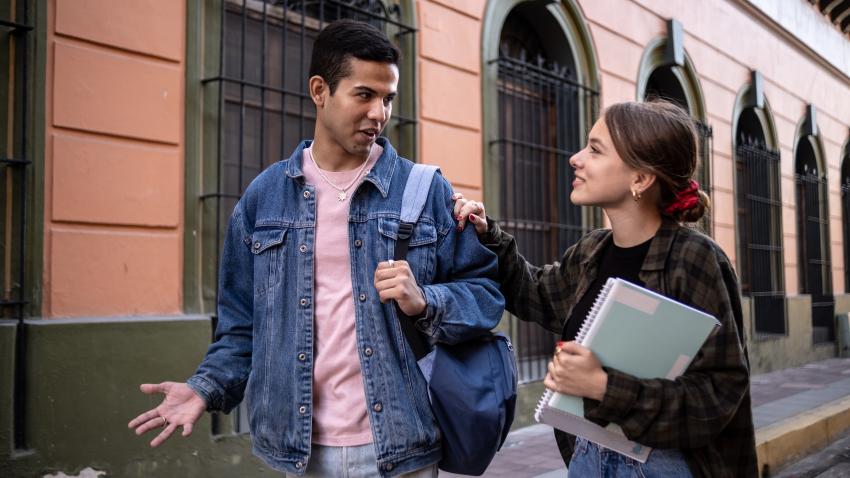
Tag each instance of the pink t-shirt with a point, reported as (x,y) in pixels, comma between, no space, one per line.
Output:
(339,400)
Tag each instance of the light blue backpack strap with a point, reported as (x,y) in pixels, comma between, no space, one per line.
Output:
(416,192)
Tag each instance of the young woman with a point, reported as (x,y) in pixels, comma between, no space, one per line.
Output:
(637,166)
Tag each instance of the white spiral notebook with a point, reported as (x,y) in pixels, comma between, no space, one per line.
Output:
(636,331)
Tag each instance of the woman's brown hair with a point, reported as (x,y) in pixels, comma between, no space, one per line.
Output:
(659,137)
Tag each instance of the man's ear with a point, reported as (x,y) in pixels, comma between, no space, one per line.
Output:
(318,90)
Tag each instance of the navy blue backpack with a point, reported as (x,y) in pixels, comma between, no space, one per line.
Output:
(472,385)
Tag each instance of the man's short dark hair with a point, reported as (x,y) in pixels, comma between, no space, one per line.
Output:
(344,39)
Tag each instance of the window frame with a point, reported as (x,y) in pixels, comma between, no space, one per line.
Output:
(808,131)
(572,26)
(751,97)
(203,72)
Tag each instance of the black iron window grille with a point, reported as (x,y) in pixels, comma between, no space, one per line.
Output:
(705,137)
(815,269)
(14,162)
(759,216)
(541,115)
(845,218)
(263,108)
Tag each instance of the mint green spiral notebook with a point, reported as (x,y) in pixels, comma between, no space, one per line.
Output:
(638,332)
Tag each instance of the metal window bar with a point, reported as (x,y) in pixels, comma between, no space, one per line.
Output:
(541,115)
(812,224)
(14,162)
(264,108)
(705,136)
(759,216)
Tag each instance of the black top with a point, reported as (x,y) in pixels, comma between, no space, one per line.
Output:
(620,262)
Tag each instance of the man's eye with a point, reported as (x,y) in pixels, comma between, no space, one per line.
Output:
(388,100)
(365,96)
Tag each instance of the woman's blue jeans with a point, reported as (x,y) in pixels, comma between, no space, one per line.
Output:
(591,460)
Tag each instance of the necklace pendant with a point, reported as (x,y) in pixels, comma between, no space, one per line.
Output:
(341,196)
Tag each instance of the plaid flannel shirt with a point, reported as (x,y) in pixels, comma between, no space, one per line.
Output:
(706,412)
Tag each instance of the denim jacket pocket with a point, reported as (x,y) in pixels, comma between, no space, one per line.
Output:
(422,252)
(267,246)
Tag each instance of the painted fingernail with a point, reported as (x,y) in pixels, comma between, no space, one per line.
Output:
(561,343)
(473,218)
(459,228)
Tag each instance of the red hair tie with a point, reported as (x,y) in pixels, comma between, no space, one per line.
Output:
(686,198)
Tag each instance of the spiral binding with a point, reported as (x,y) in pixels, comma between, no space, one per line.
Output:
(594,310)
(582,334)
(544,400)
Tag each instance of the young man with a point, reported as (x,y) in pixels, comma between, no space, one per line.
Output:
(307,328)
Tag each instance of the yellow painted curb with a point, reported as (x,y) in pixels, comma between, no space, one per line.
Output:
(782,442)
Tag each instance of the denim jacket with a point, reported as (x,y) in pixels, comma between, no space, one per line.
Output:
(264,340)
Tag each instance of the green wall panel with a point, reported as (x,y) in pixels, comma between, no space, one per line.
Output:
(83,387)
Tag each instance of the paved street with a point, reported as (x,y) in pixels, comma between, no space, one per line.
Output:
(831,462)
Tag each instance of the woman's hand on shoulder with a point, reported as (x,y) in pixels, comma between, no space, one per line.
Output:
(575,370)
(473,211)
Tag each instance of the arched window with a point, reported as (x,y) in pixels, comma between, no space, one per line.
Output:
(539,102)
(666,72)
(845,212)
(813,229)
(759,210)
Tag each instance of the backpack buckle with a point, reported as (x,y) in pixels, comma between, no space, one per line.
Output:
(405,229)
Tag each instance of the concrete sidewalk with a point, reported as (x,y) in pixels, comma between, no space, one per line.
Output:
(796,411)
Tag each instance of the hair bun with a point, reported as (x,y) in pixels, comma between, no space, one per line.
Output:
(697,211)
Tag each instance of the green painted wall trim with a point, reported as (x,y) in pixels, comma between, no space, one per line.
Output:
(8,329)
(35,220)
(83,377)
(654,56)
(203,26)
(33,79)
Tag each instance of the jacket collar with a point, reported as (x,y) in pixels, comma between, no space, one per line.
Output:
(380,175)
(659,248)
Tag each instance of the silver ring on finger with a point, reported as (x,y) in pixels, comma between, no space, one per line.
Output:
(164,421)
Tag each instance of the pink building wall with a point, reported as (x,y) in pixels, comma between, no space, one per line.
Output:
(620,30)
(114,158)
(449,66)
(115,128)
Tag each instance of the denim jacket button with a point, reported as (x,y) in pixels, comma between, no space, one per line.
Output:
(303,248)
(368,351)
(306,194)
(358,243)
(299,465)
(257,245)
(362,297)
(302,409)
(426,324)
(302,356)
(303,301)
(377,407)
(388,467)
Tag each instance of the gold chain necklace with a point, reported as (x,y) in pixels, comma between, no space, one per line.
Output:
(342,194)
